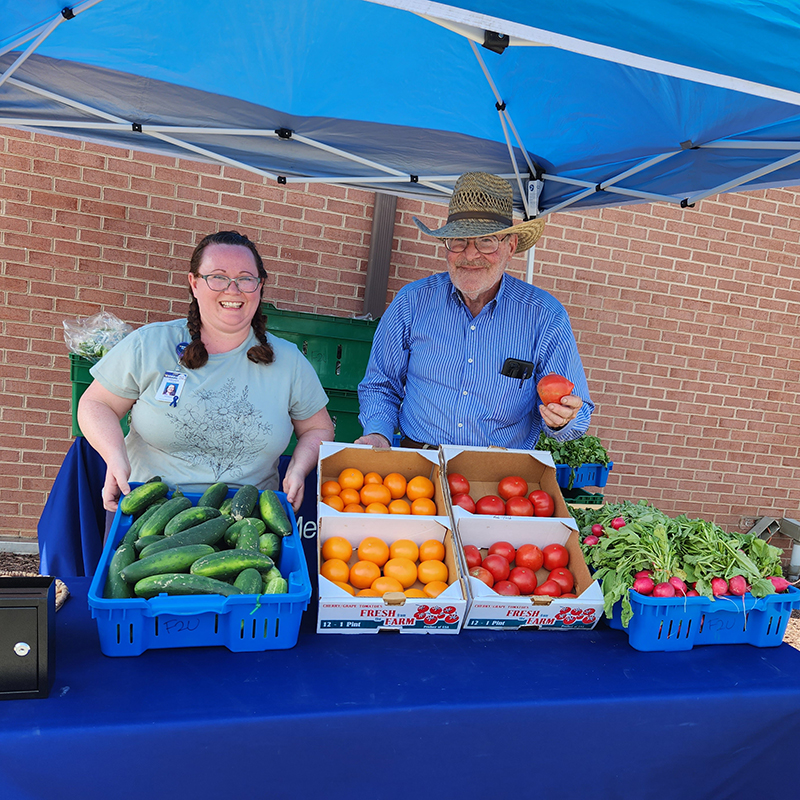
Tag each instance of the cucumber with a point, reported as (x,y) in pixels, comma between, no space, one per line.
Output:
(249,581)
(244,501)
(232,534)
(272,512)
(248,536)
(209,532)
(182,584)
(214,495)
(145,541)
(270,545)
(228,564)
(276,586)
(117,588)
(164,514)
(176,559)
(225,508)
(190,517)
(133,532)
(154,479)
(142,496)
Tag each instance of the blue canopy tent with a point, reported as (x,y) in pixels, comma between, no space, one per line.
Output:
(600,103)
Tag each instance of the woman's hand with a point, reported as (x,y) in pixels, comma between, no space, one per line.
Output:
(309,432)
(116,485)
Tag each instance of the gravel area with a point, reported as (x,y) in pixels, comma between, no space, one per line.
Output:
(25,562)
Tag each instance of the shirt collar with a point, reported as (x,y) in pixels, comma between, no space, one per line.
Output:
(491,305)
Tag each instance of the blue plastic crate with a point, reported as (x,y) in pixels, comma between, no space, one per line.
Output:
(585,475)
(678,624)
(240,622)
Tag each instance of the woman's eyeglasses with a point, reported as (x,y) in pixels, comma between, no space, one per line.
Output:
(219,283)
(483,244)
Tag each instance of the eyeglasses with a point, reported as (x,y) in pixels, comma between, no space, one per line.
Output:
(483,244)
(219,283)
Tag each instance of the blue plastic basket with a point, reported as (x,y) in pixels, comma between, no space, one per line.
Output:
(679,624)
(585,475)
(247,623)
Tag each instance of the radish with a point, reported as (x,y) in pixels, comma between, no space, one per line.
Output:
(643,573)
(597,529)
(590,540)
(680,586)
(738,585)
(643,585)
(665,589)
(617,523)
(780,584)
(693,593)
(719,586)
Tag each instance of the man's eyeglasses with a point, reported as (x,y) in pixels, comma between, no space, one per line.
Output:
(483,244)
(219,283)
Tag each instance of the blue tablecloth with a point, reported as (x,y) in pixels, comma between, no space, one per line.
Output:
(536,714)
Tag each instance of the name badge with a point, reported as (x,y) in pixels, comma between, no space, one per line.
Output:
(171,387)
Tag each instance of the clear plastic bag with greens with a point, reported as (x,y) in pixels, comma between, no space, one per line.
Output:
(92,337)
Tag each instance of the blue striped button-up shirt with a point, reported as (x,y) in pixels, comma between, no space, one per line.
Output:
(435,370)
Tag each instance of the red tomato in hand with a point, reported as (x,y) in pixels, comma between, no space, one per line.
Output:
(553,387)
(458,484)
(472,556)
(505,549)
(497,565)
(543,503)
(563,577)
(465,501)
(512,486)
(490,504)
(506,587)
(555,555)
(530,556)
(524,578)
(550,588)
(519,507)
(482,575)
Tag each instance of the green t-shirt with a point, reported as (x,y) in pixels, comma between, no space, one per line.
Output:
(233,418)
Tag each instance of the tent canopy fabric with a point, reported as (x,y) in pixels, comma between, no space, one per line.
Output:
(580,104)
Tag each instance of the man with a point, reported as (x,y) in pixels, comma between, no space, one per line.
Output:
(457,355)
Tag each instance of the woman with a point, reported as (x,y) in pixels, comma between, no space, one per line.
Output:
(213,397)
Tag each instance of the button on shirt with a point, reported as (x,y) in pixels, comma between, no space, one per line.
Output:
(435,369)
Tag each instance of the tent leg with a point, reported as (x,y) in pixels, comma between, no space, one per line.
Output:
(530,262)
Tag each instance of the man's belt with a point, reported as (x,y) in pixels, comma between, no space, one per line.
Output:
(406,442)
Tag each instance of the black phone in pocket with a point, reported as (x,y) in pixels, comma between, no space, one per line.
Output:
(516,368)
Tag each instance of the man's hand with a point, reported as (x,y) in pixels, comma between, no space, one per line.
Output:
(557,415)
(374,440)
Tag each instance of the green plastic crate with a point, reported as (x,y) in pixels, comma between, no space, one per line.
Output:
(343,408)
(81,378)
(337,347)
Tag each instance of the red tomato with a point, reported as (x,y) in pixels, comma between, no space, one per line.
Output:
(524,578)
(482,575)
(505,549)
(506,587)
(550,588)
(543,503)
(530,556)
(563,577)
(512,486)
(472,555)
(553,387)
(465,501)
(555,555)
(490,504)
(497,565)
(458,484)
(519,507)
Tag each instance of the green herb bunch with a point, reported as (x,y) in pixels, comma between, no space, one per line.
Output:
(574,453)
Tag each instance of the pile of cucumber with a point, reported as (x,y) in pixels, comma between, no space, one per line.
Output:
(223,545)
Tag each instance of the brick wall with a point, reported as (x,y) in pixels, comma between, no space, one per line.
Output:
(686,319)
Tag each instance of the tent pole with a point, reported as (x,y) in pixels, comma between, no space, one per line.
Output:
(530,261)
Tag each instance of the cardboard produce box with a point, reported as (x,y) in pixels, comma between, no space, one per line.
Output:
(487,609)
(340,612)
(485,467)
(334,457)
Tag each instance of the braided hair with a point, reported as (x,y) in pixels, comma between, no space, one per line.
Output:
(196,355)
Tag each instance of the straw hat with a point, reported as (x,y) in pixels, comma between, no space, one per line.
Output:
(481,205)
